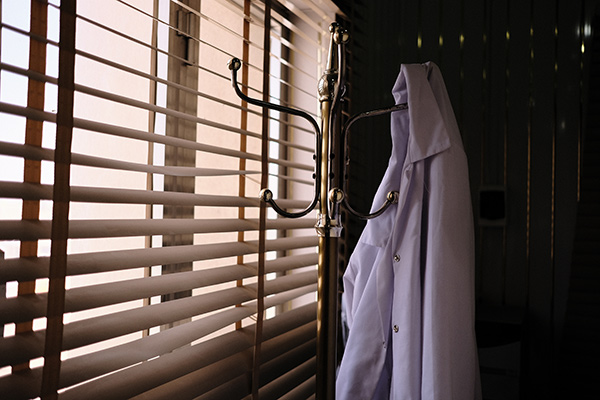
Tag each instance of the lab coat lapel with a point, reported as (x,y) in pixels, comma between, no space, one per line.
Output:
(428,134)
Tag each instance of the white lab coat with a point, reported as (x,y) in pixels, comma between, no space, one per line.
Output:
(409,285)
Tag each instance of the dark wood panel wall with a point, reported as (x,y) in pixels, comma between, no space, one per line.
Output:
(516,74)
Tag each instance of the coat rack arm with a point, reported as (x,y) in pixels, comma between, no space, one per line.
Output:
(234,65)
(266,194)
(392,196)
(373,113)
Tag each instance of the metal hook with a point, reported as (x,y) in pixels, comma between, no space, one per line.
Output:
(391,197)
(266,195)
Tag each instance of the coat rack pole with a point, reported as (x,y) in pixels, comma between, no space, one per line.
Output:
(327,318)
(328,225)
(326,285)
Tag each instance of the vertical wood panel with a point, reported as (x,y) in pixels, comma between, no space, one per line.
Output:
(61,198)
(496,77)
(409,32)
(516,168)
(493,147)
(541,213)
(450,57)
(568,133)
(472,111)
(262,218)
(430,31)
(579,346)
(184,102)
(32,169)
(360,100)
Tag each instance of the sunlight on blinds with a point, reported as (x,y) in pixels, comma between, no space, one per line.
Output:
(165,166)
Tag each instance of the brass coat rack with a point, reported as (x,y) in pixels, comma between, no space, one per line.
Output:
(328,196)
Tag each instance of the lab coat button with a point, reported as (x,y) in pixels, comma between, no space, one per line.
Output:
(396,257)
(396,329)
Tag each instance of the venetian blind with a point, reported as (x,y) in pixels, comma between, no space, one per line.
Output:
(138,261)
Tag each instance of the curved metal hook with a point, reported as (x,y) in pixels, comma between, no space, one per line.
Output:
(392,197)
(373,113)
(267,195)
(338,196)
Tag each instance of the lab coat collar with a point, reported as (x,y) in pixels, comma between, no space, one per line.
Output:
(428,134)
